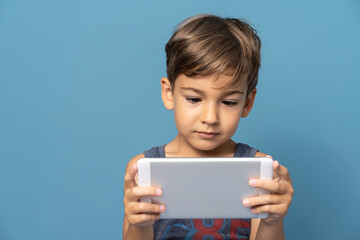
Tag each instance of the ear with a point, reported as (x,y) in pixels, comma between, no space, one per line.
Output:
(166,93)
(249,103)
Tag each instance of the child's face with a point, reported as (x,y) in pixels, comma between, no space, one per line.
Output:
(207,112)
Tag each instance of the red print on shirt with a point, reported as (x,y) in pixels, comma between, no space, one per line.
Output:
(212,230)
(239,229)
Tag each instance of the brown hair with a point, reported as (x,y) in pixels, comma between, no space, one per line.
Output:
(205,44)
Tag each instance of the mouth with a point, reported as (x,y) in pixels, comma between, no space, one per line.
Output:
(207,135)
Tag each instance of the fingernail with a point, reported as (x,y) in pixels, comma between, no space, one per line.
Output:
(246,202)
(158,191)
(162,208)
(253,210)
(252,182)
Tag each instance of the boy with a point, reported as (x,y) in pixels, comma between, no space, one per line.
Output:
(212,68)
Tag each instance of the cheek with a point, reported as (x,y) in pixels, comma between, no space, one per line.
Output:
(183,116)
(231,121)
(185,111)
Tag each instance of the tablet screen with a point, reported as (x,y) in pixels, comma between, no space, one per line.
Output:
(211,187)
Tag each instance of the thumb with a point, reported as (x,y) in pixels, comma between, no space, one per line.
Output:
(130,176)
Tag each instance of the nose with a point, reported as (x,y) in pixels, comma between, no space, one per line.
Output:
(210,114)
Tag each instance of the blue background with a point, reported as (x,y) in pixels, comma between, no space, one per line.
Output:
(80,96)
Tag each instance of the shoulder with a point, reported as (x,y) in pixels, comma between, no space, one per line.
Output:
(152,152)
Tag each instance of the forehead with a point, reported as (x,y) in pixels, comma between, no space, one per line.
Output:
(220,83)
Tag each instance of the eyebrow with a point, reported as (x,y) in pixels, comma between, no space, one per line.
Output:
(201,92)
(192,89)
(233,92)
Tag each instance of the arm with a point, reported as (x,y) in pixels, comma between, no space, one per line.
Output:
(139,216)
(276,204)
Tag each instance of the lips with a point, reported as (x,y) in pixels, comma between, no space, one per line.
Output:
(207,135)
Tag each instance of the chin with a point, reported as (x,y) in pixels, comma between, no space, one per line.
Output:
(206,146)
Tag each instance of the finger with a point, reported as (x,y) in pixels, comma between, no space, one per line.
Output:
(279,209)
(262,200)
(148,208)
(143,219)
(137,192)
(276,166)
(130,177)
(271,185)
(280,170)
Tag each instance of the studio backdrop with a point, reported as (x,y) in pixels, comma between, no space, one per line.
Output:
(80,96)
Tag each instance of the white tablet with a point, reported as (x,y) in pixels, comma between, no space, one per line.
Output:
(204,187)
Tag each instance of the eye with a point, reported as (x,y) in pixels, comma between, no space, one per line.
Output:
(193,100)
(230,103)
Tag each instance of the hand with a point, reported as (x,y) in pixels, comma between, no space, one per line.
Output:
(277,203)
(140,214)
